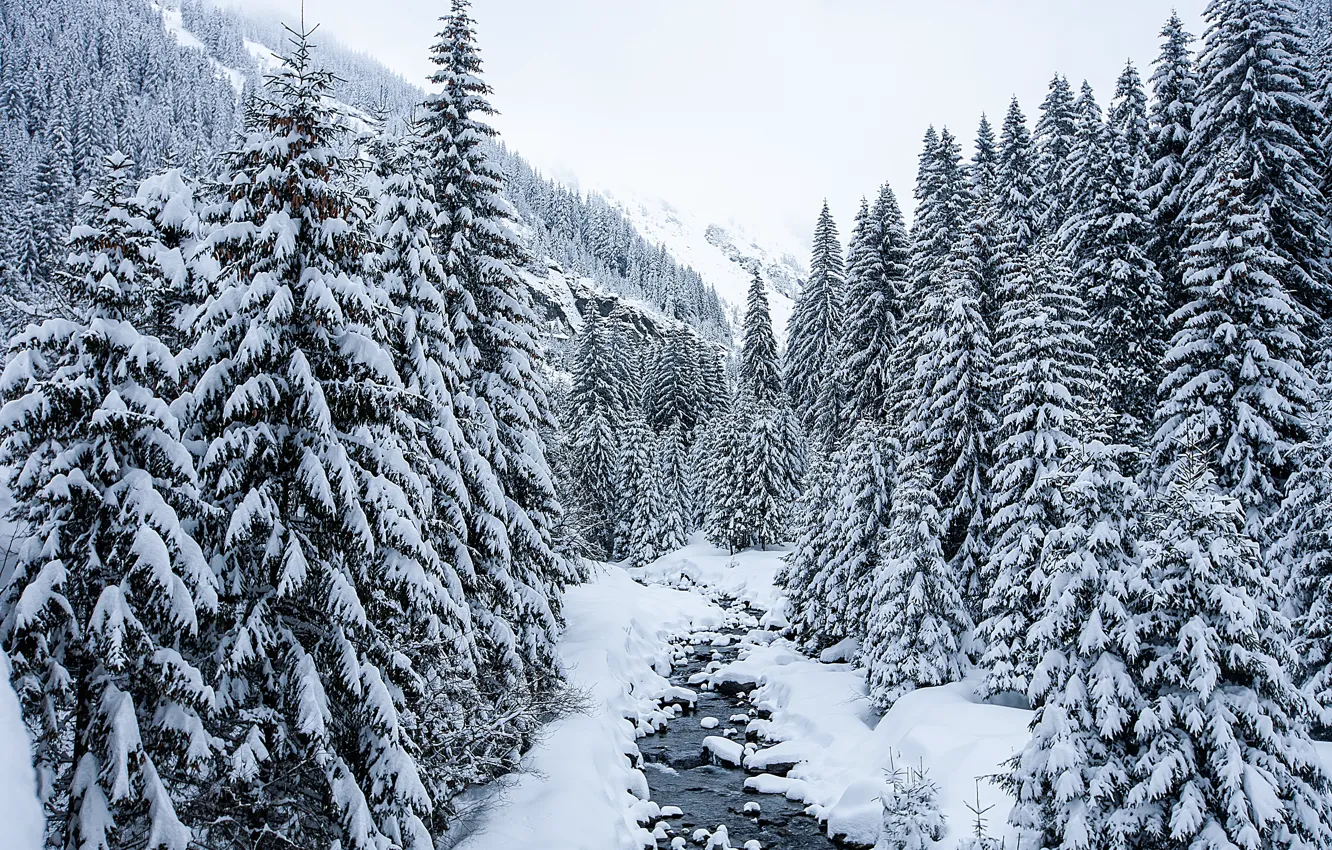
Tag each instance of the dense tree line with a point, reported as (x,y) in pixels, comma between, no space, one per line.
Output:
(1071,431)
(290,575)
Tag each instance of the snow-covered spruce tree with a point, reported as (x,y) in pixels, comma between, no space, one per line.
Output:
(1070,778)
(1016,207)
(668,530)
(942,195)
(773,464)
(320,560)
(1055,131)
(1086,170)
(636,504)
(1174,97)
(167,203)
(866,473)
(1236,381)
(102,610)
(420,300)
(760,364)
(1222,756)
(815,327)
(806,575)
(671,396)
(917,621)
(876,281)
(1302,555)
(1044,365)
(961,415)
(1125,295)
(515,595)
(1256,109)
(982,226)
(597,402)
(912,819)
(725,520)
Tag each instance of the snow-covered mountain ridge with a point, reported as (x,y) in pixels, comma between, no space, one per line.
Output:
(726,256)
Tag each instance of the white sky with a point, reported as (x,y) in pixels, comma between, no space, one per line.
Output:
(756,110)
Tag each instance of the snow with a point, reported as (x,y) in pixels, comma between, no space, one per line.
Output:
(579,789)
(20,813)
(748,576)
(723,255)
(724,750)
(171,19)
(823,728)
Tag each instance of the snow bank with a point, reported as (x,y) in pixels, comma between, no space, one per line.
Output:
(748,576)
(825,744)
(20,813)
(580,789)
(834,751)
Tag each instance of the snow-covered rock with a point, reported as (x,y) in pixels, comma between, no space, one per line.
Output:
(857,816)
(724,750)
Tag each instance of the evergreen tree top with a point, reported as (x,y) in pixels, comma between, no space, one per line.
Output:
(760,371)
(984,162)
(1128,114)
(1016,197)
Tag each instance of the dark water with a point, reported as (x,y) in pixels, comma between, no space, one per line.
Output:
(679,773)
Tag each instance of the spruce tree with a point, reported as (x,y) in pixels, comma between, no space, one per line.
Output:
(102,612)
(1222,756)
(1016,209)
(1087,165)
(815,328)
(1174,97)
(917,621)
(1302,555)
(961,414)
(519,578)
(1055,131)
(420,299)
(806,576)
(1070,778)
(319,559)
(876,283)
(1236,382)
(636,502)
(760,366)
(725,522)
(671,397)
(865,477)
(1125,294)
(669,511)
(1044,365)
(1256,110)
(982,226)
(940,219)
(772,470)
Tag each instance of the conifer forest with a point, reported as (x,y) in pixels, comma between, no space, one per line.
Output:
(366,488)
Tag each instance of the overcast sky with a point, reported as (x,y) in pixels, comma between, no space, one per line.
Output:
(756,110)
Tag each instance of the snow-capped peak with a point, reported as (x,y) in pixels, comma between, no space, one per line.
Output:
(725,255)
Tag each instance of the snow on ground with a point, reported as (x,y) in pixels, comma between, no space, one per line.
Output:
(20,813)
(579,789)
(826,736)
(748,576)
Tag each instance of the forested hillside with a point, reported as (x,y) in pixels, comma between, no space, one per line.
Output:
(321,409)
